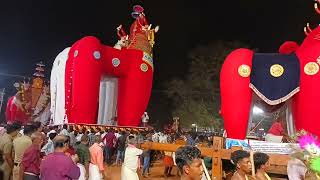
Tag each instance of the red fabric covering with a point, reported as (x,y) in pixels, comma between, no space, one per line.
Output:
(70,151)
(31,159)
(14,114)
(82,90)
(306,102)
(82,81)
(288,47)
(235,93)
(276,129)
(168,161)
(138,8)
(136,26)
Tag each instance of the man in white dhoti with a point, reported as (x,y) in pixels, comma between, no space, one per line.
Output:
(131,161)
(296,169)
(96,167)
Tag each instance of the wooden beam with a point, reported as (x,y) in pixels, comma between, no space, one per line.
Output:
(278,163)
(275,159)
(217,158)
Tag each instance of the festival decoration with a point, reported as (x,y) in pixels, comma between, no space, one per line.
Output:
(244,70)
(315,164)
(31,101)
(308,142)
(308,152)
(88,127)
(130,60)
(275,78)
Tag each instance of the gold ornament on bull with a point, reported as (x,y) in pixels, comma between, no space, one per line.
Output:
(311,68)
(244,70)
(276,70)
(150,34)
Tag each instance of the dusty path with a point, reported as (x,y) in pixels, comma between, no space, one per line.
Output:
(113,173)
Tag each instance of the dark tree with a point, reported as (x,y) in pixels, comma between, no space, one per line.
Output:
(197,97)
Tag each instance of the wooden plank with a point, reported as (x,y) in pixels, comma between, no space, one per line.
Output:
(225,153)
(274,169)
(174,147)
(279,159)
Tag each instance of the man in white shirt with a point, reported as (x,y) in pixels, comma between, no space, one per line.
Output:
(296,169)
(49,147)
(102,136)
(155,137)
(131,161)
(145,119)
(163,138)
(64,131)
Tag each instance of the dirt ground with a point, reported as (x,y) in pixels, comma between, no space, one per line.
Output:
(156,173)
(113,173)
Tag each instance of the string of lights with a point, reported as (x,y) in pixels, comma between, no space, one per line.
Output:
(12,75)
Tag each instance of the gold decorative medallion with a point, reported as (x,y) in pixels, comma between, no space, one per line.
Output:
(311,68)
(276,70)
(144,67)
(244,70)
(318,60)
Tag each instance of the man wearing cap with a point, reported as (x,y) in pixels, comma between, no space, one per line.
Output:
(6,146)
(57,165)
(20,144)
(49,148)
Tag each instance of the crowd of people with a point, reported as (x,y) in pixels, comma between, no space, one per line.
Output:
(34,152)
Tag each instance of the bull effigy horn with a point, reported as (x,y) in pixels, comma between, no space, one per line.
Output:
(156,29)
(316,6)
(307,29)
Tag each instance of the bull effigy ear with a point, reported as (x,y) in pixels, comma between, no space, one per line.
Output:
(288,47)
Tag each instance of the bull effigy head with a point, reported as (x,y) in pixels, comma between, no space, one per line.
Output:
(240,70)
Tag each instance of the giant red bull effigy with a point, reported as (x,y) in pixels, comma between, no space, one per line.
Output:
(293,74)
(77,72)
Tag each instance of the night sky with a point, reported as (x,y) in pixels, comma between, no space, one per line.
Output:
(33,31)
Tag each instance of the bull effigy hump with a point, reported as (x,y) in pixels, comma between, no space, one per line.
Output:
(140,42)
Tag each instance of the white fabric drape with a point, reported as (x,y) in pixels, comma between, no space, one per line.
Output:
(108,100)
(44,116)
(57,88)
